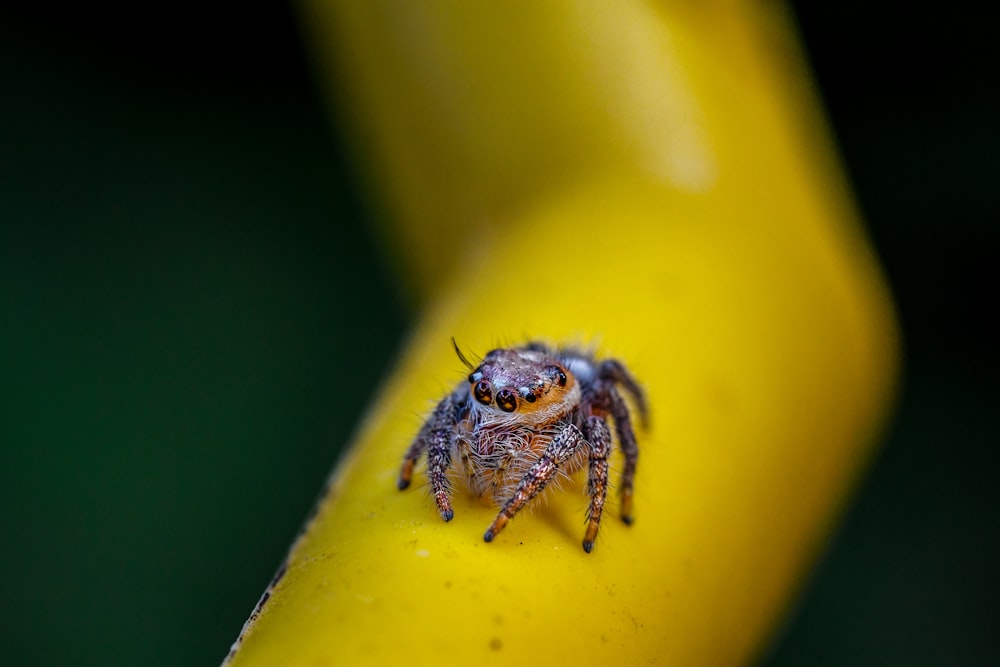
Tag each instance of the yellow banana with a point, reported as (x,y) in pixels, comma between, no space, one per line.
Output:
(650,179)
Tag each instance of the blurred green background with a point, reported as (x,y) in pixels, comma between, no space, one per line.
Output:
(194,310)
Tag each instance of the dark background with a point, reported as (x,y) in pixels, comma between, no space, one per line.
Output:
(194,310)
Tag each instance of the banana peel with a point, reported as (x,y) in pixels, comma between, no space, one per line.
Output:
(649,180)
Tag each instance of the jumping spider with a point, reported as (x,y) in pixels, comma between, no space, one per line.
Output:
(525,415)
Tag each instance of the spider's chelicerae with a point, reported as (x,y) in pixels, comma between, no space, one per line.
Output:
(525,415)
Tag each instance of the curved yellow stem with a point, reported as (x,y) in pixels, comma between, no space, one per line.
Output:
(652,180)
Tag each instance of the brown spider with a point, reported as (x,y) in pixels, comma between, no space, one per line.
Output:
(527,414)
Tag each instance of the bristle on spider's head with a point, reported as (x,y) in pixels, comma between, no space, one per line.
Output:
(461,356)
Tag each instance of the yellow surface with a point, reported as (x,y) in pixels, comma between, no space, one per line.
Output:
(650,179)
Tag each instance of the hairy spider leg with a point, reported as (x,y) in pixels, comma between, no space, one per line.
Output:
(436,437)
(413,454)
(630,450)
(615,372)
(599,437)
(563,446)
(438,463)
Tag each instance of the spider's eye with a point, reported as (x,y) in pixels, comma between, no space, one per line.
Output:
(527,394)
(506,400)
(475,376)
(483,392)
(557,374)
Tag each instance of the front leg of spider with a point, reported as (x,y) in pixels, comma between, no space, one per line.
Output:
(436,438)
(562,447)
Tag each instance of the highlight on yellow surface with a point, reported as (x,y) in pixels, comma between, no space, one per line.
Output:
(652,180)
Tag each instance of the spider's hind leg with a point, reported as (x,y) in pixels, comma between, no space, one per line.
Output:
(615,372)
(413,455)
(630,450)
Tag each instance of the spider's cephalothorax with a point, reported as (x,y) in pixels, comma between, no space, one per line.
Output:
(524,415)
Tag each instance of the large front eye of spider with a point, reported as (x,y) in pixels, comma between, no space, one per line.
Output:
(506,400)
(483,392)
